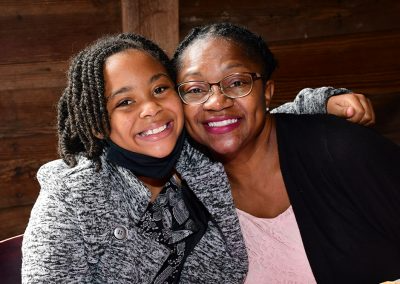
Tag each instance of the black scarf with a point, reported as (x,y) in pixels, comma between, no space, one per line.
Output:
(143,165)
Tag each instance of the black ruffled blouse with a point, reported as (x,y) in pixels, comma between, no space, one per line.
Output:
(177,220)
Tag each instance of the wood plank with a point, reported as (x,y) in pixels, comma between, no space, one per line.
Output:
(345,61)
(50,74)
(36,144)
(53,30)
(13,221)
(23,111)
(292,19)
(157,20)
(366,63)
(18,182)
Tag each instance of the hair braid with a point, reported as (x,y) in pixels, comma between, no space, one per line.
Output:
(82,109)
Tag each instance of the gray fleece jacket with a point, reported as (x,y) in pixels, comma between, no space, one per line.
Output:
(82,227)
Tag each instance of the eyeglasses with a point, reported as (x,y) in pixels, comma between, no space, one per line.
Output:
(233,86)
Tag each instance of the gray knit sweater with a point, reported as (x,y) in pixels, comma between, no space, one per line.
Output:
(82,227)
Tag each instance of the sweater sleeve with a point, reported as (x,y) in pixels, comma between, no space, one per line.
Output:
(53,249)
(310,101)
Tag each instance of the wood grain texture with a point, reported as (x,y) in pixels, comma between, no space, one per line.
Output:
(293,19)
(41,30)
(365,63)
(37,39)
(13,220)
(157,20)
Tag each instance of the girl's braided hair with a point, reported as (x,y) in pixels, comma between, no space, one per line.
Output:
(82,111)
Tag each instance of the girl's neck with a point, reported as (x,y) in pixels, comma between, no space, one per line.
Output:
(155,185)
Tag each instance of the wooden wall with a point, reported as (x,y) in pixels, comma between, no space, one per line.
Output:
(37,38)
(340,43)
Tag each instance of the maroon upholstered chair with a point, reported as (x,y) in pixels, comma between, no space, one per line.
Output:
(11,260)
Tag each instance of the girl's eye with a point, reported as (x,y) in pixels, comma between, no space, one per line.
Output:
(124,103)
(160,90)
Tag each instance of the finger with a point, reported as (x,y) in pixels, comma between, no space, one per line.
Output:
(341,106)
(372,112)
(359,109)
(367,117)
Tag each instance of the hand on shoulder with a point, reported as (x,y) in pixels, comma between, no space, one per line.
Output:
(356,108)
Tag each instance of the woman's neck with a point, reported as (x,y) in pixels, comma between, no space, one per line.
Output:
(255,176)
(252,155)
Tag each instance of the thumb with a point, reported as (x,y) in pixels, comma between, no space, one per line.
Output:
(349,112)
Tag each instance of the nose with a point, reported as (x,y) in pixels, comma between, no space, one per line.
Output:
(150,108)
(217,100)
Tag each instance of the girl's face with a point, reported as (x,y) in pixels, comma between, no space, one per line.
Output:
(226,126)
(145,112)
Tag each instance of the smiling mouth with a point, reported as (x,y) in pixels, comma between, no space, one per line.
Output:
(222,122)
(155,130)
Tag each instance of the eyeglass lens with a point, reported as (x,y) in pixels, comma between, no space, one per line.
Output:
(233,86)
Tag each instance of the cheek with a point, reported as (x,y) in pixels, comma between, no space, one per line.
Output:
(120,124)
(175,106)
(190,115)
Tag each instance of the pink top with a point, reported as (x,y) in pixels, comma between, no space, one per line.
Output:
(275,249)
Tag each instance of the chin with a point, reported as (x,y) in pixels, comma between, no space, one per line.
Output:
(224,149)
(160,153)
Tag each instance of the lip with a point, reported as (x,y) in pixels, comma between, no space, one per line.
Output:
(221,124)
(169,126)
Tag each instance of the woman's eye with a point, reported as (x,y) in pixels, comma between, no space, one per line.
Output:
(237,84)
(195,91)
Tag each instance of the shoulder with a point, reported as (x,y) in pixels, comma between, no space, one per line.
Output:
(58,172)
(332,127)
(81,182)
(342,140)
(194,157)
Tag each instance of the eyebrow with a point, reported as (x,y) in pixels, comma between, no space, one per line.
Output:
(197,73)
(126,89)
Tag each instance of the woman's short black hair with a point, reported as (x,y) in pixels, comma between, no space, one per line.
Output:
(82,111)
(253,45)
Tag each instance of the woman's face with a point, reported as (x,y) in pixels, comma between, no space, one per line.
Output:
(226,126)
(145,112)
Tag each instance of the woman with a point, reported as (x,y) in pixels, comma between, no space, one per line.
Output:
(317,199)
(115,208)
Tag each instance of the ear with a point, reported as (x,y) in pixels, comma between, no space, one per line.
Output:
(269,91)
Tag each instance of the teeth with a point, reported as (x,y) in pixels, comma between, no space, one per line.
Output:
(222,122)
(153,131)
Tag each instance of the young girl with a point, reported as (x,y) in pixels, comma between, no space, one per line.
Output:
(117,207)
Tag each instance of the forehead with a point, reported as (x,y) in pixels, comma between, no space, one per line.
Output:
(215,53)
(132,60)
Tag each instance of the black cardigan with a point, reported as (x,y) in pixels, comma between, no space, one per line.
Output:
(343,182)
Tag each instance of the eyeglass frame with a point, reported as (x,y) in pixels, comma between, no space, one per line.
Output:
(254,77)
